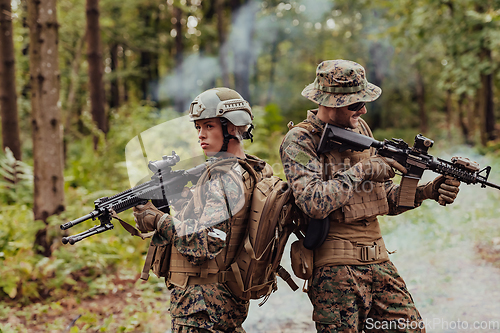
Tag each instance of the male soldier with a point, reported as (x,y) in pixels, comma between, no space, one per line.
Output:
(353,279)
(207,232)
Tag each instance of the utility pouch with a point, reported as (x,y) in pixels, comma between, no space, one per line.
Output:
(317,230)
(158,258)
(302,260)
(161,260)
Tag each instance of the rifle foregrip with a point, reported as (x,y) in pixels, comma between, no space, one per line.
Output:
(316,233)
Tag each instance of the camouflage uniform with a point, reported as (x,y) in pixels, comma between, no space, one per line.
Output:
(345,293)
(196,235)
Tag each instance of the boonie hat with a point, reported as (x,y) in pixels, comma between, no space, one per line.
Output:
(340,83)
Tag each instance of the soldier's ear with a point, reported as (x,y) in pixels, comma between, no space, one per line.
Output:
(231,129)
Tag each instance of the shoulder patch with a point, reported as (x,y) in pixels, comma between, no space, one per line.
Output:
(302,158)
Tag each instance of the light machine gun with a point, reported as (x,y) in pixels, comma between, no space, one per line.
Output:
(415,159)
(163,184)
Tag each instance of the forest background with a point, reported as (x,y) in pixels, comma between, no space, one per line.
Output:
(78,80)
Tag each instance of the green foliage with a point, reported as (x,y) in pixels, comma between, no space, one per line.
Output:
(89,174)
(492,147)
(16,184)
(267,136)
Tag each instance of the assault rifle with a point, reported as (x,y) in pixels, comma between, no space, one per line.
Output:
(163,183)
(415,159)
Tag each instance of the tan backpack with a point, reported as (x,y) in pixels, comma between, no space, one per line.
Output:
(273,217)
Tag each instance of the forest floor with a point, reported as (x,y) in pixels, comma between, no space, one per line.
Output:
(135,307)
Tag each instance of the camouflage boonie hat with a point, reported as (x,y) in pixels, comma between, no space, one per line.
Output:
(340,83)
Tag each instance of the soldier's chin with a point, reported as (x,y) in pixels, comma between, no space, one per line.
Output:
(354,122)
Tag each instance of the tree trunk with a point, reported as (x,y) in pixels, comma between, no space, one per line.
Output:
(8,94)
(489,111)
(124,86)
(94,57)
(179,99)
(463,120)
(449,112)
(479,103)
(46,116)
(114,101)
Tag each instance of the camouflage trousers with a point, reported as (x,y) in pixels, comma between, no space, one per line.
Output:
(365,298)
(202,323)
(206,308)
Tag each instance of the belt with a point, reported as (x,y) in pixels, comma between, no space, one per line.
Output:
(334,250)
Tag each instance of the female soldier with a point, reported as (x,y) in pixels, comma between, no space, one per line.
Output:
(206,234)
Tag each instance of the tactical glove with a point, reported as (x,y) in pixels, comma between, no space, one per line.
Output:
(147,216)
(442,189)
(180,200)
(377,168)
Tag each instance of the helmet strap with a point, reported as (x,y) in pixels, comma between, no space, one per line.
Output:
(248,134)
(225,133)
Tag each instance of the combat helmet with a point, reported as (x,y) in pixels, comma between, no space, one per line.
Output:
(225,104)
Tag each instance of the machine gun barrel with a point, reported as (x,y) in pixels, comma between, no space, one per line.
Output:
(163,183)
(70,224)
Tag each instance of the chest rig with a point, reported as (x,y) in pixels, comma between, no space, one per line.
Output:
(182,273)
(369,199)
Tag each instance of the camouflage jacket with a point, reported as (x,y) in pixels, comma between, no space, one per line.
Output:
(319,198)
(200,234)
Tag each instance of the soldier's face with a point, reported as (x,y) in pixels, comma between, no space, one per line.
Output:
(341,116)
(210,135)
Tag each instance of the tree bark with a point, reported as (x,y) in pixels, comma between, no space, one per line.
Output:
(8,93)
(124,86)
(463,121)
(46,116)
(489,110)
(449,112)
(114,101)
(94,57)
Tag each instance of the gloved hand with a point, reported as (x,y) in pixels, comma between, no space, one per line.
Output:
(147,216)
(179,200)
(442,189)
(377,168)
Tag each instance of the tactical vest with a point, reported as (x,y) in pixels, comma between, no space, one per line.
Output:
(183,273)
(357,218)
(369,199)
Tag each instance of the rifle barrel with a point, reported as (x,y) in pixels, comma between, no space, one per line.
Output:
(69,224)
(484,184)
